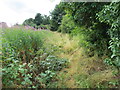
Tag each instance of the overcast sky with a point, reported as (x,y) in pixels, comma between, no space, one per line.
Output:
(16,11)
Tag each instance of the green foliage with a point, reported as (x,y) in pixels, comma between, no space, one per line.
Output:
(22,42)
(19,75)
(111,15)
(29,22)
(53,63)
(108,61)
(56,17)
(47,76)
(83,36)
(84,81)
(37,73)
(93,42)
(81,80)
(67,24)
(15,74)
(84,13)
(40,21)
(94,34)
(25,61)
(46,20)
(28,62)
(114,83)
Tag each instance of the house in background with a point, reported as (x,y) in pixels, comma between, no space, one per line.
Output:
(3,25)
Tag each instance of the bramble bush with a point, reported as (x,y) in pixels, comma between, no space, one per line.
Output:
(26,64)
(22,75)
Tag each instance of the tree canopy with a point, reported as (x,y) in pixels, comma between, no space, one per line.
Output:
(56,16)
(39,21)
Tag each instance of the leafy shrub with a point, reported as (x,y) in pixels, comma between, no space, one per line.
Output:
(53,63)
(18,74)
(92,42)
(67,24)
(110,15)
(47,76)
(15,74)
(95,32)
(56,17)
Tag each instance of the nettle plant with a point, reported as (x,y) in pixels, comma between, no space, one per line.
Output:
(32,75)
(111,15)
(53,63)
(14,74)
(36,74)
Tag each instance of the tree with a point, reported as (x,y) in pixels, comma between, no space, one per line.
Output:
(38,19)
(84,14)
(56,16)
(29,22)
(46,20)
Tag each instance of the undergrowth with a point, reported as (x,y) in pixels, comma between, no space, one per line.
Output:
(45,59)
(26,60)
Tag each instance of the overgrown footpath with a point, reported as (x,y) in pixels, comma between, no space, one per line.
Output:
(45,59)
(84,71)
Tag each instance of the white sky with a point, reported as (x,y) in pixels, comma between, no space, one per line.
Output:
(16,11)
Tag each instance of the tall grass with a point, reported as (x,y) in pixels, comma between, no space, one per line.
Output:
(23,42)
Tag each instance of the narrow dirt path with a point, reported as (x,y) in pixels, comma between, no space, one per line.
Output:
(73,69)
(69,73)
